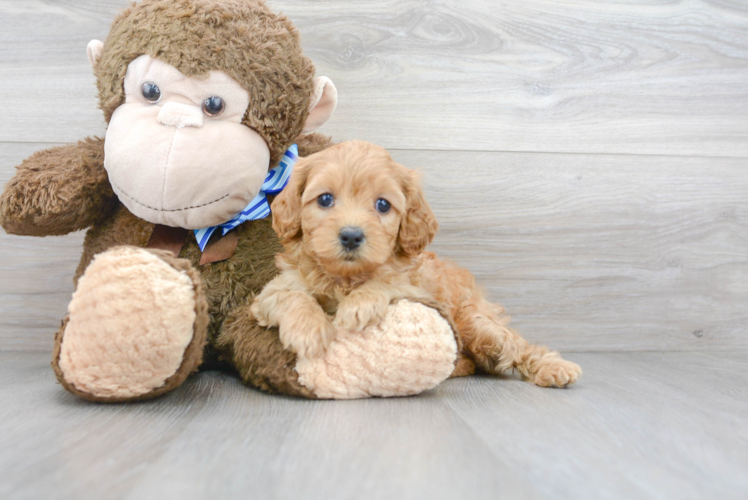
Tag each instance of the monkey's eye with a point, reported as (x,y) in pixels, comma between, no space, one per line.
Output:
(383,206)
(213,106)
(325,200)
(151,92)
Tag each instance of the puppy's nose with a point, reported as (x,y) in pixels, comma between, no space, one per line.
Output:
(351,237)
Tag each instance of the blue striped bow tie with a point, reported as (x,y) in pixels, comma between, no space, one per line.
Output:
(258,208)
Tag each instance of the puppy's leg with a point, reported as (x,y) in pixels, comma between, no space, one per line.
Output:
(464,366)
(302,324)
(367,305)
(483,328)
(496,348)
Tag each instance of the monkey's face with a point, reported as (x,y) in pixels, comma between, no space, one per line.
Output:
(212,94)
(177,152)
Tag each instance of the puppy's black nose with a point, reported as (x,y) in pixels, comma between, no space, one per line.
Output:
(351,237)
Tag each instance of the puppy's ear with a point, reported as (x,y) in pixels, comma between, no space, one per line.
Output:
(286,207)
(418,227)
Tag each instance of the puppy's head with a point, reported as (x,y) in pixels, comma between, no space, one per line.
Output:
(352,208)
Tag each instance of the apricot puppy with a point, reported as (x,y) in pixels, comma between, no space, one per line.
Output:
(354,225)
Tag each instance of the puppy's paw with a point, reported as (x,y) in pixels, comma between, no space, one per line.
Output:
(307,336)
(356,312)
(259,315)
(554,371)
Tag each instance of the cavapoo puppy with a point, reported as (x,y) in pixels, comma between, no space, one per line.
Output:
(354,225)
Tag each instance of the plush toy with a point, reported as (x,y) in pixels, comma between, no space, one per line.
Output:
(208,105)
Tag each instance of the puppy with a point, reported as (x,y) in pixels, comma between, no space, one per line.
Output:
(354,225)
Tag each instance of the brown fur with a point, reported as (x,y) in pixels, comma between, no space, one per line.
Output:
(227,285)
(320,279)
(311,143)
(65,189)
(258,48)
(58,191)
(258,355)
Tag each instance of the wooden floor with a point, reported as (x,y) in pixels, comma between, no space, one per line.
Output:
(638,425)
(587,160)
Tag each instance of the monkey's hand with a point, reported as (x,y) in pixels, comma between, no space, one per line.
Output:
(58,191)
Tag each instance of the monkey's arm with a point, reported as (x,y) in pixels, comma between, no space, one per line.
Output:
(58,191)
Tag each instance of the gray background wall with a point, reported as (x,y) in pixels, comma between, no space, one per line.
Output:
(586,160)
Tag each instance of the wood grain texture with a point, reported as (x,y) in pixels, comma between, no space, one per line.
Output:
(599,252)
(44,70)
(539,75)
(37,273)
(587,252)
(638,425)
(646,425)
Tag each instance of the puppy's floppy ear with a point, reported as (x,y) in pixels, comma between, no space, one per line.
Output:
(286,207)
(418,227)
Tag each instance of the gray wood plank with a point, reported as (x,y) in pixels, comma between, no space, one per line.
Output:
(404,448)
(637,425)
(44,72)
(538,75)
(644,425)
(37,273)
(588,252)
(600,252)
(215,437)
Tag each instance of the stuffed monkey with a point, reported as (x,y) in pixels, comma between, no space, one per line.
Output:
(208,104)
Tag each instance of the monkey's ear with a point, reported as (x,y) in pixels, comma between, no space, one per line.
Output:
(94,50)
(322,105)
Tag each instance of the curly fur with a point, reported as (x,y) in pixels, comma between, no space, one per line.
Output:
(66,189)
(320,279)
(258,48)
(58,191)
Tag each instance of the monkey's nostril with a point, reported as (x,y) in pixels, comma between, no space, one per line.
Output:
(351,237)
(174,114)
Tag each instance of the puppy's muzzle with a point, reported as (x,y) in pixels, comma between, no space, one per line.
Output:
(351,238)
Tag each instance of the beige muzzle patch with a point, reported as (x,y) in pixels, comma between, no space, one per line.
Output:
(171,163)
(175,114)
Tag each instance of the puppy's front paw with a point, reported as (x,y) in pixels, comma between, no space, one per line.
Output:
(357,312)
(259,314)
(556,372)
(307,336)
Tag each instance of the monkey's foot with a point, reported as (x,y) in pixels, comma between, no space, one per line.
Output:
(412,350)
(136,327)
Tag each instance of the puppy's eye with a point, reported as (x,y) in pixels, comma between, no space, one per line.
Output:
(325,200)
(151,92)
(383,206)
(213,106)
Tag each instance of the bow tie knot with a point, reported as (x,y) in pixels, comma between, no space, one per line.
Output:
(259,207)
